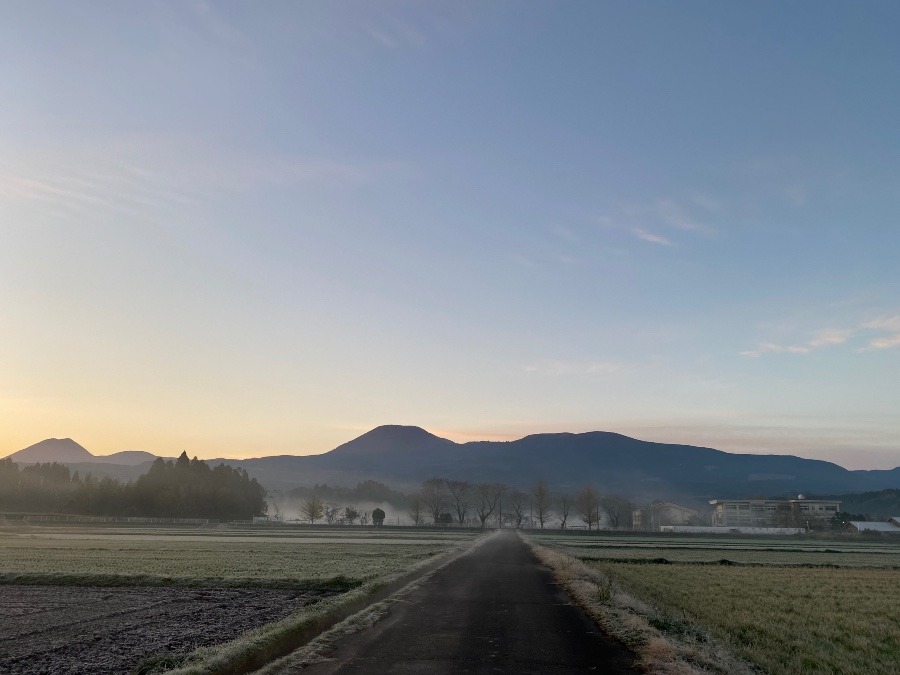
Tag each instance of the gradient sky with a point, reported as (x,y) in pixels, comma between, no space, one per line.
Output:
(242,229)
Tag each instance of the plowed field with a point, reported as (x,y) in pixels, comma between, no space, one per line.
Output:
(60,629)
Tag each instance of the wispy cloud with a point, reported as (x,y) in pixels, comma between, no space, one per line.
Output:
(884,342)
(383,39)
(657,239)
(888,323)
(657,222)
(773,348)
(674,215)
(888,326)
(395,32)
(134,175)
(831,336)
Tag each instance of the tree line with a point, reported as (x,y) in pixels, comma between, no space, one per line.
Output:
(185,488)
(313,508)
(334,504)
(443,501)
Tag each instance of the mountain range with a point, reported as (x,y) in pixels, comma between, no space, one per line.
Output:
(67,451)
(403,456)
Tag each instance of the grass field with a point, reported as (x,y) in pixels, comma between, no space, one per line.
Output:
(276,556)
(786,606)
(338,569)
(850,553)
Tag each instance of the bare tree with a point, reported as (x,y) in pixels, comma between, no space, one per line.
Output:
(460,493)
(434,492)
(487,496)
(274,500)
(540,500)
(519,501)
(563,507)
(587,503)
(416,508)
(618,510)
(331,513)
(312,508)
(364,518)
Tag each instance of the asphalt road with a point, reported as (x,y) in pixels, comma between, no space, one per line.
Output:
(494,610)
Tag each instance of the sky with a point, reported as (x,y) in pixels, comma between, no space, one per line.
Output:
(242,229)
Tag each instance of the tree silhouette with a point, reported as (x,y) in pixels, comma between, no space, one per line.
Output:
(182,489)
(587,502)
(487,497)
(540,499)
(312,508)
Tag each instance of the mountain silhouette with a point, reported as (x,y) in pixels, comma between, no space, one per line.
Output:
(404,456)
(126,458)
(67,451)
(63,450)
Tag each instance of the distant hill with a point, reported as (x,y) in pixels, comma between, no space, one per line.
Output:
(879,505)
(63,450)
(67,451)
(126,458)
(403,456)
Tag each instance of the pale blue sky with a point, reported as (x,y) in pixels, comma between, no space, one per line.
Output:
(249,228)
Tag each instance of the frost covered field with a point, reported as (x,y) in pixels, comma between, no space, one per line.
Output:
(265,556)
(788,606)
(774,551)
(246,587)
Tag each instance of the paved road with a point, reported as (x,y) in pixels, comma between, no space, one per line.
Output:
(495,610)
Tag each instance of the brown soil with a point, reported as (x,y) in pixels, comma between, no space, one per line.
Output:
(53,629)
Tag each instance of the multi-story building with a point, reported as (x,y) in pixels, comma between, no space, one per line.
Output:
(771,512)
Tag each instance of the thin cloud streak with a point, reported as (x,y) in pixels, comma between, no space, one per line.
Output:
(829,337)
(773,348)
(890,324)
(650,237)
(141,174)
(832,337)
(675,216)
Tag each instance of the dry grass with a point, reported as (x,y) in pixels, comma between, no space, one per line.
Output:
(744,551)
(787,620)
(686,651)
(789,607)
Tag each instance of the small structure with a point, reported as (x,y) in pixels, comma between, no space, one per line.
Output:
(657,514)
(890,527)
(378,517)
